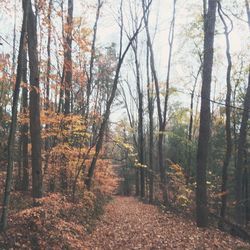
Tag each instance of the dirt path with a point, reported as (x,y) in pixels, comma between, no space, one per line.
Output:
(130,224)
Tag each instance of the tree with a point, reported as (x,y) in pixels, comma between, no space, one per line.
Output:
(132,126)
(205,117)
(48,75)
(139,88)
(25,127)
(121,56)
(34,108)
(68,58)
(240,165)
(162,112)
(228,113)
(190,127)
(151,130)
(12,132)
(92,59)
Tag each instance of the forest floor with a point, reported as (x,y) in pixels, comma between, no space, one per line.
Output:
(125,224)
(130,224)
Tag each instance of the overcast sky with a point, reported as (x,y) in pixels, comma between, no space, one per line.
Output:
(184,62)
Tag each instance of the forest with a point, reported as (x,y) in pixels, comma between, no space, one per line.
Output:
(124,124)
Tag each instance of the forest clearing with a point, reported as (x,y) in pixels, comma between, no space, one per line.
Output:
(124,124)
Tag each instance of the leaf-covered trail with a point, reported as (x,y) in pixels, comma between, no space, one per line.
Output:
(130,224)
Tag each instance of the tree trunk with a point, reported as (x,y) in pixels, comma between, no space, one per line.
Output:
(62,87)
(25,127)
(162,114)
(159,109)
(151,130)
(11,139)
(68,58)
(240,218)
(47,101)
(35,123)
(205,118)
(92,59)
(240,215)
(228,119)
(190,128)
(140,120)
(14,43)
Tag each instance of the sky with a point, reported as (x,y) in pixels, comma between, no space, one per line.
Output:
(184,62)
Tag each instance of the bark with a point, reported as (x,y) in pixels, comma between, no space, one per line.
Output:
(228,117)
(247,174)
(14,43)
(11,139)
(240,205)
(47,102)
(247,195)
(248,12)
(240,216)
(67,83)
(140,119)
(61,91)
(68,58)
(35,123)
(151,131)
(205,117)
(18,178)
(25,127)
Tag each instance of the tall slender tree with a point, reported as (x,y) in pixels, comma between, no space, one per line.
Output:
(90,73)
(34,107)
(11,139)
(228,112)
(48,73)
(151,130)
(205,116)
(240,204)
(139,87)
(190,127)
(68,57)
(62,75)
(25,126)
(162,112)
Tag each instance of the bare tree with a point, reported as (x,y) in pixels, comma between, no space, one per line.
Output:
(68,58)
(228,113)
(151,130)
(62,75)
(140,125)
(132,125)
(239,173)
(25,126)
(190,127)
(11,139)
(47,100)
(205,117)
(121,56)
(35,123)
(89,73)
(162,112)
